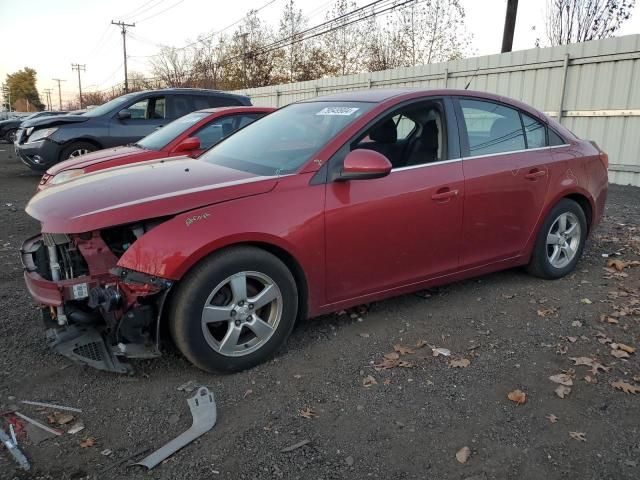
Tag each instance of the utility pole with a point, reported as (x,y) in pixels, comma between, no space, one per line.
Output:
(79,68)
(244,58)
(509,25)
(6,92)
(124,26)
(59,92)
(47,92)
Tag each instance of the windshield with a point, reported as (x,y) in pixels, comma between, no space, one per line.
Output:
(160,138)
(283,141)
(110,105)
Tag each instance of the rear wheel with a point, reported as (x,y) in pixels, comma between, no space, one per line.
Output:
(560,241)
(76,149)
(234,310)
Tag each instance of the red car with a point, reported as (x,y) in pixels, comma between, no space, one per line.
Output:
(321,205)
(192,134)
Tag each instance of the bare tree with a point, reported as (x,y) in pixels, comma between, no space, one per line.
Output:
(344,42)
(209,61)
(173,66)
(572,21)
(384,45)
(292,23)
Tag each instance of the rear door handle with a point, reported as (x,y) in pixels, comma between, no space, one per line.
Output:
(535,174)
(443,194)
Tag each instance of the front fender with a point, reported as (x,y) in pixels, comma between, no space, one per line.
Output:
(290,217)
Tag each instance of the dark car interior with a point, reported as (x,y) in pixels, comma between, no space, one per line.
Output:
(412,136)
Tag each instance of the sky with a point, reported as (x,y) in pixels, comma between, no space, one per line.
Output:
(51,35)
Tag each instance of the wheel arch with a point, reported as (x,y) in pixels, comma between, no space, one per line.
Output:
(585,204)
(67,144)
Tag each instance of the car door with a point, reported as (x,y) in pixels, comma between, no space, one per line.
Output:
(147,114)
(397,230)
(505,162)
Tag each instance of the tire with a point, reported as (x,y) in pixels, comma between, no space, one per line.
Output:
(552,241)
(10,136)
(75,148)
(205,335)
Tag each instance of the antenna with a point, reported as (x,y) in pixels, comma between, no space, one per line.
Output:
(472,77)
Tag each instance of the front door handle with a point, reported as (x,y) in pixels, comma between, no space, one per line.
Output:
(535,174)
(444,194)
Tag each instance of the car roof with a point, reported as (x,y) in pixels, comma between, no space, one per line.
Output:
(191,91)
(380,95)
(243,108)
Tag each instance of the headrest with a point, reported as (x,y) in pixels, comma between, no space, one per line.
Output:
(385,133)
(429,135)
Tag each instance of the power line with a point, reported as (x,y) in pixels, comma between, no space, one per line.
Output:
(160,12)
(136,11)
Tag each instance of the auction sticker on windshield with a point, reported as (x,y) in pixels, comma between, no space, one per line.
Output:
(337,111)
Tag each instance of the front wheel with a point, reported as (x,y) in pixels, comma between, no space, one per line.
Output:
(234,310)
(76,149)
(560,241)
(11,135)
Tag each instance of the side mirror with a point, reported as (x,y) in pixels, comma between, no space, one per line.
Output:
(188,144)
(364,164)
(124,114)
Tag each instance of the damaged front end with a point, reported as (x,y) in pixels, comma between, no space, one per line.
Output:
(95,312)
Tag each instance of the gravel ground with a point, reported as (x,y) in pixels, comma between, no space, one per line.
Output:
(515,330)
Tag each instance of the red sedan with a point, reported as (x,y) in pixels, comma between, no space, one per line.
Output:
(322,205)
(189,135)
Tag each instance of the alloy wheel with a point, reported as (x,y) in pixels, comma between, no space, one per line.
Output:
(78,152)
(563,240)
(242,313)
(11,136)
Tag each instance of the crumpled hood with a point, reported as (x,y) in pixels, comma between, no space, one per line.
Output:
(54,120)
(97,157)
(140,191)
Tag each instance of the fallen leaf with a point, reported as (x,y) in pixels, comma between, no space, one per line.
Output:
(307,412)
(463,454)
(562,391)
(619,265)
(545,312)
(441,351)
(60,418)
(576,323)
(421,343)
(562,379)
(88,442)
(459,363)
(626,348)
(369,381)
(518,396)
(402,350)
(387,381)
(580,436)
(572,339)
(552,418)
(590,379)
(619,354)
(586,301)
(625,387)
(392,356)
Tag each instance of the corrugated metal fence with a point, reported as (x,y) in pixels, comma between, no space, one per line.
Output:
(596,86)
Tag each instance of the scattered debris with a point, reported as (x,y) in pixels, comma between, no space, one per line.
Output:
(307,412)
(463,454)
(364,335)
(552,418)
(562,379)
(586,301)
(247,393)
(16,453)
(518,396)
(562,391)
(189,386)
(580,436)
(576,323)
(295,446)
(204,413)
(545,312)
(369,381)
(590,379)
(619,353)
(106,452)
(59,418)
(440,351)
(75,428)
(38,424)
(51,405)
(625,387)
(459,363)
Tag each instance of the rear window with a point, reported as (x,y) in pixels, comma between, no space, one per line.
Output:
(183,104)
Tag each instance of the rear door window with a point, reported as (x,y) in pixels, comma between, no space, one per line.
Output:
(491,128)
(220,128)
(535,132)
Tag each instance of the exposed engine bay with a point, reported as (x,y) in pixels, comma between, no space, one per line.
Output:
(95,312)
